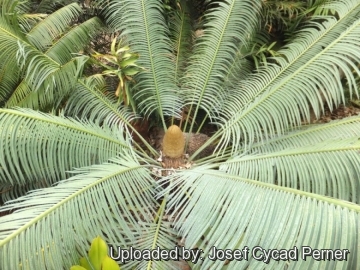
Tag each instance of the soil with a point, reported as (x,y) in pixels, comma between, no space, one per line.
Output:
(338,113)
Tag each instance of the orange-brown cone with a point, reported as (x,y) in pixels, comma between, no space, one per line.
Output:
(173,142)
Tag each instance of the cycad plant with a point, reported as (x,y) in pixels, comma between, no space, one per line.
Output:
(269,181)
(39,64)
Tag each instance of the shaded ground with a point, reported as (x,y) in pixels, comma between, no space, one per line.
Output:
(338,113)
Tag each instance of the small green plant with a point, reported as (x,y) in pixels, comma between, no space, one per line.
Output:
(120,62)
(97,258)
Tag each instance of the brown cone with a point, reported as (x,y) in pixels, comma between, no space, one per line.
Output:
(173,142)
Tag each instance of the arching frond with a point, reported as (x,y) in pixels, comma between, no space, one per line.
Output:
(240,67)
(230,212)
(61,80)
(145,29)
(55,87)
(181,37)
(111,200)
(38,67)
(309,67)
(27,21)
(48,6)
(158,234)
(346,128)
(9,12)
(90,102)
(226,26)
(44,32)
(41,147)
(328,168)
(9,70)
(74,40)
(9,77)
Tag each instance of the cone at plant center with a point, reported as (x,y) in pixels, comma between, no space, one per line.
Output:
(173,142)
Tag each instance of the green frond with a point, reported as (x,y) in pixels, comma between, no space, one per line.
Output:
(41,147)
(74,40)
(181,37)
(13,191)
(47,77)
(54,88)
(9,14)
(230,212)
(143,25)
(158,234)
(44,32)
(240,66)
(346,128)
(309,67)
(9,71)
(328,168)
(28,21)
(20,96)
(37,66)
(48,6)
(226,26)
(90,102)
(111,200)
(280,14)
(9,77)
(164,238)
(239,69)
(10,74)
